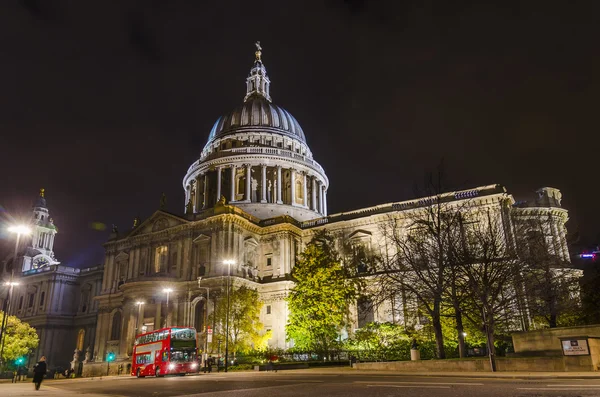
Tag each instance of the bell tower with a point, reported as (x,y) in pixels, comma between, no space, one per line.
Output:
(40,252)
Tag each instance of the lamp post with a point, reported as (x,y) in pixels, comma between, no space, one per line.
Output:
(137,321)
(10,285)
(205,321)
(228,263)
(167,291)
(18,230)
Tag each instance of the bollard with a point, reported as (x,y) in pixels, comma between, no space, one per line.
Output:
(415,354)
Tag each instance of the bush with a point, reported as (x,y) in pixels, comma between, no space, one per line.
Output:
(241,367)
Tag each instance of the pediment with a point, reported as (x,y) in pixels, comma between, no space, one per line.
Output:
(360,235)
(159,221)
(202,238)
(122,256)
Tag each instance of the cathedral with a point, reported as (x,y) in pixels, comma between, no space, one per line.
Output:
(253,199)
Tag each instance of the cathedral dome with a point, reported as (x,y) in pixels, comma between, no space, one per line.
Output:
(257,111)
(257,159)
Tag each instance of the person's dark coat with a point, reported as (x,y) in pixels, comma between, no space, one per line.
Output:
(39,371)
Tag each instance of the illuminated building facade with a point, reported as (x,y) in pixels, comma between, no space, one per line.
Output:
(255,196)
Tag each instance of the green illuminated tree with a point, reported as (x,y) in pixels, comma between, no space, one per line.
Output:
(20,339)
(319,302)
(245,329)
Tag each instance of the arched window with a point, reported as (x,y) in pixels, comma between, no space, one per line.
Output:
(299,191)
(115,332)
(160,259)
(80,339)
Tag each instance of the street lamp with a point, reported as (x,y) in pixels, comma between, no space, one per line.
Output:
(137,322)
(18,230)
(10,285)
(228,262)
(204,356)
(167,291)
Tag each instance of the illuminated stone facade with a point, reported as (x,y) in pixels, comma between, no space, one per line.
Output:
(57,300)
(255,196)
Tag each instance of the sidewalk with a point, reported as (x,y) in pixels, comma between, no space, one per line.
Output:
(24,389)
(498,375)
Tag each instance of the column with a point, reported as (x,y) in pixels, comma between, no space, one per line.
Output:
(313,201)
(304,191)
(204,195)
(293,185)
(248,182)
(218,183)
(263,183)
(279,185)
(157,317)
(232,192)
(324,200)
(319,198)
(195,204)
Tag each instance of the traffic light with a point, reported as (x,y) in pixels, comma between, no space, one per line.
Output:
(110,357)
(20,361)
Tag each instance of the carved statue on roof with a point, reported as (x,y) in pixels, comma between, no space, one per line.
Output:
(258,52)
(163,201)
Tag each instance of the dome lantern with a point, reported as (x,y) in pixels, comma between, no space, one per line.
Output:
(258,82)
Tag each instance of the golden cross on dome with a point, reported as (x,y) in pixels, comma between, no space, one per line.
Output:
(42,190)
(258,52)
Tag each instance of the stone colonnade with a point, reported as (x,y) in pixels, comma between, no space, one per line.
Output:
(271,187)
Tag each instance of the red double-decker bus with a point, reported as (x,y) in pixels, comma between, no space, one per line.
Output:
(164,352)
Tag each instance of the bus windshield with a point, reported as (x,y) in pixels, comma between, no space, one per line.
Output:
(187,355)
(182,338)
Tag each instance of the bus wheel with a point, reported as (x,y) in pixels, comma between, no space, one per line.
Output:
(157,372)
(138,373)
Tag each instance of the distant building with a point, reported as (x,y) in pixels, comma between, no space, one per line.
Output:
(56,300)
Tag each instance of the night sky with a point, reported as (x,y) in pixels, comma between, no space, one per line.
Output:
(107,103)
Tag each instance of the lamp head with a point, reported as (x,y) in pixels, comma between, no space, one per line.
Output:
(229,262)
(20,229)
(168,290)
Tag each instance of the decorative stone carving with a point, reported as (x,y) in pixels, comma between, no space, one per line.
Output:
(160,224)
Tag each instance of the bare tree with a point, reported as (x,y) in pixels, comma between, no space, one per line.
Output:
(421,258)
(490,269)
(551,284)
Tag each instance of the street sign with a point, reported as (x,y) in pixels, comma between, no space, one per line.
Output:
(209,338)
(575,347)
(209,330)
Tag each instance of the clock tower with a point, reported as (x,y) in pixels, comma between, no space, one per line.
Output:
(40,252)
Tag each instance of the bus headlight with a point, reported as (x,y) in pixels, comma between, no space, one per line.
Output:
(194,365)
(171,367)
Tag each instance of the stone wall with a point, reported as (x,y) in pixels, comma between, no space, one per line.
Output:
(504,364)
(546,342)
(97,369)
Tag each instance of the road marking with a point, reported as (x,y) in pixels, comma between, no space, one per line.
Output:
(420,383)
(294,380)
(559,388)
(555,385)
(419,386)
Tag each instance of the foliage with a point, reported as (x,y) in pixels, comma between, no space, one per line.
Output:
(245,328)
(320,300)
(20,339)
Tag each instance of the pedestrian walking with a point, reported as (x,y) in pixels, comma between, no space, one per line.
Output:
(39,371)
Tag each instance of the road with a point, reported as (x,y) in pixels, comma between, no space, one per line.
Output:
(309,383)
